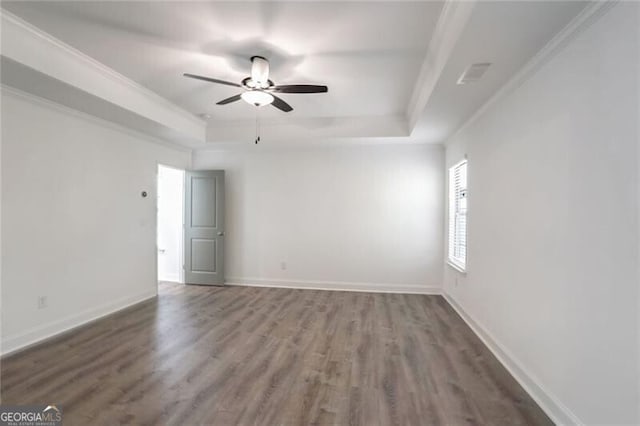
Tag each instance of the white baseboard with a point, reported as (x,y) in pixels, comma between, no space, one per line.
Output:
(550,404)
(18,342)
(335,285)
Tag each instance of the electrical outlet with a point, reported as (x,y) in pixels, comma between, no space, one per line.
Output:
(42,302)
(283,265)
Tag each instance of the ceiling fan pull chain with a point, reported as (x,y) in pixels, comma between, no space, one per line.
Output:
(257,128)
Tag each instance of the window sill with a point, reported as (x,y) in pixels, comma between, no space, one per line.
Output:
(457,267)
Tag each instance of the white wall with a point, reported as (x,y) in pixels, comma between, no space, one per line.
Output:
(75,227)
(637,120)
(170,211)
(1,257)
(552,280)
(357,217)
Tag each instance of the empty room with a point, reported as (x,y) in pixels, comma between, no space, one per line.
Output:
(320,213)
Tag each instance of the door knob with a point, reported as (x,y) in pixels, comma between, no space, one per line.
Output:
(220,234)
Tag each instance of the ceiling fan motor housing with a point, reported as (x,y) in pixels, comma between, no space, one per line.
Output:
(259,72)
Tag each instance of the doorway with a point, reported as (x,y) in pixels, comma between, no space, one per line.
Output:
(170,238)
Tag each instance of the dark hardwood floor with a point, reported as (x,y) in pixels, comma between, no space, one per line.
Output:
(261,356)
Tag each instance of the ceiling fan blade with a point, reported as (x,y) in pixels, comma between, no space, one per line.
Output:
(229,100)
(281,105)
(300,88)
(211,80)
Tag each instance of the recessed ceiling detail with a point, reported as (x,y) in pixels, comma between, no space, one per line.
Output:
(376,57)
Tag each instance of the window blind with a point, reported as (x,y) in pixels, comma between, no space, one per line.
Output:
(458,215)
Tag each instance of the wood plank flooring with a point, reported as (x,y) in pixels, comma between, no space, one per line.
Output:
(264,356)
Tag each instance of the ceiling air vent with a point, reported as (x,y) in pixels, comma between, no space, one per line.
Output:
(473,73)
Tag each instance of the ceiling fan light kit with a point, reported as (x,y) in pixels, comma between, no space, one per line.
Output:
(257,97)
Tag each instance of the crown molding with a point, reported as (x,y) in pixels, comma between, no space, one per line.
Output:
(590,14)
(302,145)
(107,72)
(311,128)
(36,62)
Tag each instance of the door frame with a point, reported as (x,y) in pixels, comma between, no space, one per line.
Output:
(181,247)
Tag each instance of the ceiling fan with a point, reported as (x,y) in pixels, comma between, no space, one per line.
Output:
(259,90)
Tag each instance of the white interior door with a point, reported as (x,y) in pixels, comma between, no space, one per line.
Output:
(204,227)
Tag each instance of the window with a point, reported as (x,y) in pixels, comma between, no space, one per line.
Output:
(458,215)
